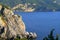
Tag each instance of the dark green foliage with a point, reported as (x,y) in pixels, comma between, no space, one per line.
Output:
(5,6)
(0,14)
(50,36)
(18,38)
(21,39)
(57,37)
(42,5)
(45,38)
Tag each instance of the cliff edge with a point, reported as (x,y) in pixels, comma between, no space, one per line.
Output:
(12,25)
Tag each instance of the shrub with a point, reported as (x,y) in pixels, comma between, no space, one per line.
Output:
(50,36)
(21,39)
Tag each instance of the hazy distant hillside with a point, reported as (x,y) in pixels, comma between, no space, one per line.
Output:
(41,5)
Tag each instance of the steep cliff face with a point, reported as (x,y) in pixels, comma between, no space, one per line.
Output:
(11,24)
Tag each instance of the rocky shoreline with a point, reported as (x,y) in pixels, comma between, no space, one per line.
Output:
(12,25)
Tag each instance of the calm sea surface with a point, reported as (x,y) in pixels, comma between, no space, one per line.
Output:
(41,22)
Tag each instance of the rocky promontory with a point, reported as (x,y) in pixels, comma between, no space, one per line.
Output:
(12,25)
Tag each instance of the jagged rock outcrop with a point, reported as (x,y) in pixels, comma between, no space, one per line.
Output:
(11,25)
(24,7)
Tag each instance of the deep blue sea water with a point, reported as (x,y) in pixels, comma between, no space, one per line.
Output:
(41,22)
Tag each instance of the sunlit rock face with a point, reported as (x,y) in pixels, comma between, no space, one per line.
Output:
(11,24)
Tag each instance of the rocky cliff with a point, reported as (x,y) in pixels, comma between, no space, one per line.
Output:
(12,25)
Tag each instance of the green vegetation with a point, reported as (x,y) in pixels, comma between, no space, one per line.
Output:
(25,39)
(29,38)
(42,5)
(51,37)
(15,39)
(0,14)
(21,39)
(5,6)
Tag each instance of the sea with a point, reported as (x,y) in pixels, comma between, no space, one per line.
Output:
(41,23)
